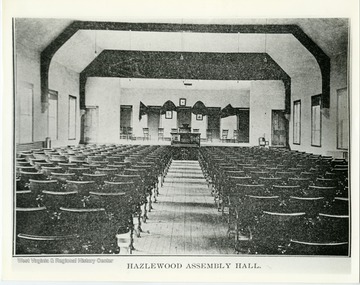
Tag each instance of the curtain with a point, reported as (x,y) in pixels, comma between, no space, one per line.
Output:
(143,110)
(168,106)
(199,108)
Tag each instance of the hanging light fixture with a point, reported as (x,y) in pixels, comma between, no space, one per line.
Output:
(95,44)
(238,50)
(182,45)
(265,57)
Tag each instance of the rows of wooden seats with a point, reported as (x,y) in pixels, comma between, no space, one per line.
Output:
(258,189)
(66,187)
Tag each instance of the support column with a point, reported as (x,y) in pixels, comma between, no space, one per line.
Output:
(89,125)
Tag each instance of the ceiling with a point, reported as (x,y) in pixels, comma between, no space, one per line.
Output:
(331,35)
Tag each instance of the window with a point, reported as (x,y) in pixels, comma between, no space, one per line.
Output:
(297,122)
(316,120)
(25,111)
(342,119)
(72,117)
(53,115)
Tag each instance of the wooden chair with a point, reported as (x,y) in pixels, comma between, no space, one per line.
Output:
(46,170)
(109,172)
(224,135)
(26,199)
(146,134)
(139,196)
(236,136)
(328,235)
(161,134)
(98,178)
(32,220)
(37,186)
(129,133)
(33,229)
(298,247)
(248,212)
(79,171)
(25,177)
(329,193)
(273,233)
(65,166)
(116,205)
(209,134)
(123,133)
(54,200)
(93,227)
(27,168)
(338,206)
(285,191)
(310,205)
(46,244)
(83,188)
(62,177)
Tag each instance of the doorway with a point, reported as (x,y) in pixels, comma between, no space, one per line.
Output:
(243,125)
(153,121)
(213,121)
(278,128)
(125,115)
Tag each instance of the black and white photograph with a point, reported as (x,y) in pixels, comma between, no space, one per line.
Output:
(203,138)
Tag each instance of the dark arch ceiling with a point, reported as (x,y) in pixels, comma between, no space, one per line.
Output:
(322,59)
(185,65)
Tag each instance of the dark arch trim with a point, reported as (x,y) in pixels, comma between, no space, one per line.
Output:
(322,59)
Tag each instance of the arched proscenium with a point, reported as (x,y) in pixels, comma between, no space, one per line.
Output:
(322,59)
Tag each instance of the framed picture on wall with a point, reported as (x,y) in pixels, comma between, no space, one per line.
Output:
(182,102)
(168,115)
(199,117)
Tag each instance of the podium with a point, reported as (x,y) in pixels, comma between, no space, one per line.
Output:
(185,144)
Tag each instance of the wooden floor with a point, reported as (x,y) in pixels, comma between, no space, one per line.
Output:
(185,219)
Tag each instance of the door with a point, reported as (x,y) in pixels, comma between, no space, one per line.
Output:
(184,116)
(243,125)
(154,122)
(279,128)
(213,121)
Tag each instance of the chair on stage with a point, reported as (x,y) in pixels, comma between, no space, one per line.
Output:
(224,135)
(146,134)
(123,133)
(236,136)
(209,134)
(161,134)
(129,133)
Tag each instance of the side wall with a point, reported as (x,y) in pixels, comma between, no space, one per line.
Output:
(62,80)
(303,90)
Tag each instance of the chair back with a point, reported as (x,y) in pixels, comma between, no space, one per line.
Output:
(224,134)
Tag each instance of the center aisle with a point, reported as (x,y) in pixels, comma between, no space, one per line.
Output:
(185,219)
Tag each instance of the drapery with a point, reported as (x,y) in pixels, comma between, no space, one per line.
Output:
(228,111)
(199,108)
(143,110)
(168,106)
